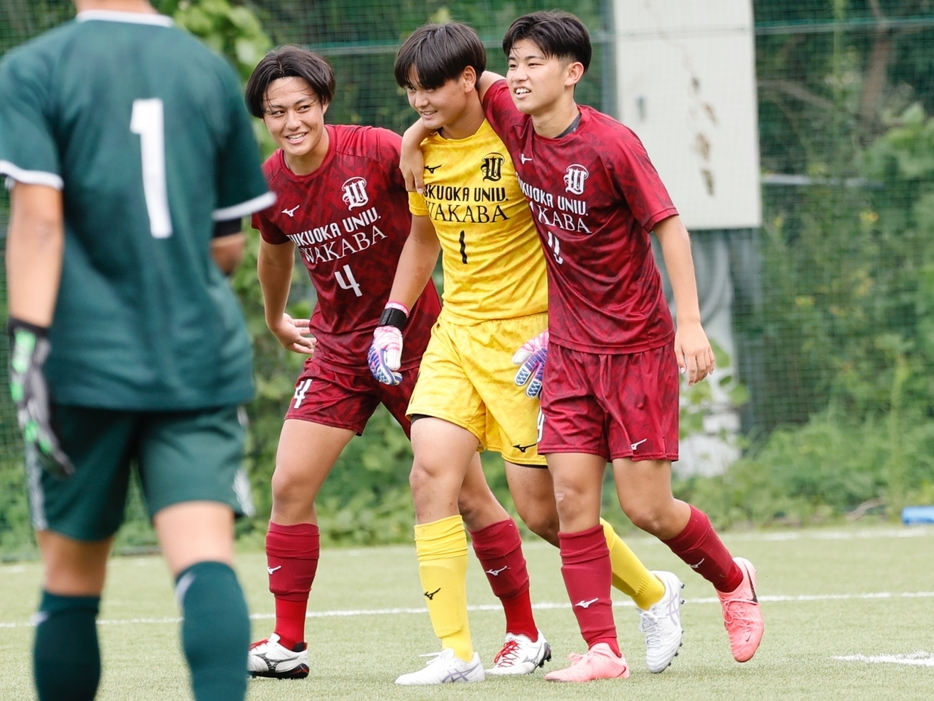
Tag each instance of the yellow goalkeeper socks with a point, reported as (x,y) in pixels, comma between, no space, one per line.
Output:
(442,567)
(630,576)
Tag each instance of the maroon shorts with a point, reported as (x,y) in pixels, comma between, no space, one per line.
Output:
(346,400)
(616,406)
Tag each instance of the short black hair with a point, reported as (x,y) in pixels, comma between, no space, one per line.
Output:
(558,34)
(439,53)
(289,62)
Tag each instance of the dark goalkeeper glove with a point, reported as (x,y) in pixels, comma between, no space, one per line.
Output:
(29,348)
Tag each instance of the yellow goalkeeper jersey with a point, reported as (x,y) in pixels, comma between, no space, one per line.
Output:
(492,260)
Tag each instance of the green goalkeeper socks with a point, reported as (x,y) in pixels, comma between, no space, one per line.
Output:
(66,655)
(215,631)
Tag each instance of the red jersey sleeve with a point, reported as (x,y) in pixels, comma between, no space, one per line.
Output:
(261,220)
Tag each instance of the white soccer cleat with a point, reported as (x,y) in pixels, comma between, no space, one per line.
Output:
(520,655)
(267,658)
(661,625)
(445,668)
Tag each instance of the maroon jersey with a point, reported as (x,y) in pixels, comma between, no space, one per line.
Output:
(595,197)
(349,220)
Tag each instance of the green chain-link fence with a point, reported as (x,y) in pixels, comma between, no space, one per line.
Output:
(820,292)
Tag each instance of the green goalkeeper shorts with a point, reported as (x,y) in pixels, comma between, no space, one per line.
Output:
(179,456)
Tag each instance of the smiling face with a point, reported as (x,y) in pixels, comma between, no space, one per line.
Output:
(294,116)
(538,84)
(450,109)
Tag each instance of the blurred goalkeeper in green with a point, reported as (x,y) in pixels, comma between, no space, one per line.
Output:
(132,162)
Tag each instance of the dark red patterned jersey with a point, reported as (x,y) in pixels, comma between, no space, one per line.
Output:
(595,197)
(349,220)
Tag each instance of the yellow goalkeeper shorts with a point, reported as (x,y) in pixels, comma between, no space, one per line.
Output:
(467,377)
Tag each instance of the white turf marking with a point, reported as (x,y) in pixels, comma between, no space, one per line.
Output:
(915,531)
(541,606)
(919,659)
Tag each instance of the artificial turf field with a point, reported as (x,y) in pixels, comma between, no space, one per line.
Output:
(849,615)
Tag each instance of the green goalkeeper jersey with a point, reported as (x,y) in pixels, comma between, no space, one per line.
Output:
(145,132)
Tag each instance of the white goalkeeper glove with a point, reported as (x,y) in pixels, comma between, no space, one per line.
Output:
(385,354)
(531,357)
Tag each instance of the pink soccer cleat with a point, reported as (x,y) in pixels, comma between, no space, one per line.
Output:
(599,662)
(742,616)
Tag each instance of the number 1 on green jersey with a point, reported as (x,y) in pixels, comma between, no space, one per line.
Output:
(147,121)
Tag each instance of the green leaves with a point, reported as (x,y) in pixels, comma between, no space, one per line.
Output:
(233,31)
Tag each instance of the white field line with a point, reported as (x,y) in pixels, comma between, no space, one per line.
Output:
(918,659)
(544,605)
(915,531)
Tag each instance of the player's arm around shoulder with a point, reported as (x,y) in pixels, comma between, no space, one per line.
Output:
(411,160)
(486,81)
(695,355)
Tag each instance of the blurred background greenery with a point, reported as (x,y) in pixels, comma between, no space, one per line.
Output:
(835,387)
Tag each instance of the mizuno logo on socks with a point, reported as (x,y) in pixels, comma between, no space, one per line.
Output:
(431,596)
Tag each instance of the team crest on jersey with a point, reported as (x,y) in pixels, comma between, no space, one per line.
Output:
(574,179)
(355,193)
(492,167)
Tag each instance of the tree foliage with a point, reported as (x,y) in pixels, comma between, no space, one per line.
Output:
(846,90)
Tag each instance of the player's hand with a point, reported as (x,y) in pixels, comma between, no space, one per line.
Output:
(411,160)
(29,348)
(531,356)
(385,355)
(695,356)
(294,335)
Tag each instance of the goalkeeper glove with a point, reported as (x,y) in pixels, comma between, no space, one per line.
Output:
(531,356)
(385,354)
(29,348)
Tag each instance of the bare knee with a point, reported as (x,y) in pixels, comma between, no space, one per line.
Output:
(645,519)
(568,501)
(293,497)
(478,506)
(659,520)
(543,524)
(287,485)
(471,510)
(420,479)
